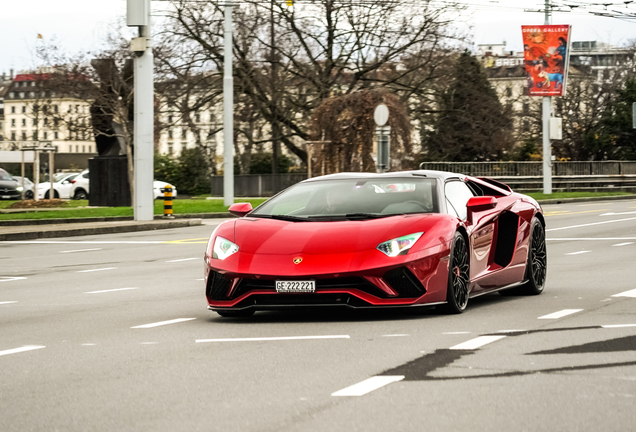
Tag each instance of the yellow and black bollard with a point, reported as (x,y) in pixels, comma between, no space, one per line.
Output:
(167,202)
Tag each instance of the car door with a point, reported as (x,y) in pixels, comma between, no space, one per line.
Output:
(64,187)
(480,233)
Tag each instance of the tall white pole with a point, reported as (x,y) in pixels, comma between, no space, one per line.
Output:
(144,127)
(547,112)
(228,112)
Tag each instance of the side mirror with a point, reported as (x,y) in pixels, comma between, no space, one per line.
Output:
(240,209)
(479,204)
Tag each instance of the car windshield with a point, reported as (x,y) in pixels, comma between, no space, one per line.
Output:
(355,198)
(61,176)
(5,175)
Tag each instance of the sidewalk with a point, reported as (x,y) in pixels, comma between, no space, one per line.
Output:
(52,230)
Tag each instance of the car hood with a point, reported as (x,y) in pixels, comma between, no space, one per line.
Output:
(276,237)
(8,184)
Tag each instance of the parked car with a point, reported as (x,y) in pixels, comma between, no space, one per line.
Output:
(80,186)
(8,186)
(28,186)
(61,186)
(158,189)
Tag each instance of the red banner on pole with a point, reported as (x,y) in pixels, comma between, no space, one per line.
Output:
(546,51)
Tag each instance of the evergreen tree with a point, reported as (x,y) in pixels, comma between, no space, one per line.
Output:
(614,138)
(472,124)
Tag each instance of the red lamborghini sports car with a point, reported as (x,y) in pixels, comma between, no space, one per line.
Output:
(366,240)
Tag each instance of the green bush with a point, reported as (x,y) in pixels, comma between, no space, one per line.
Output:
(261,163)
(189,173)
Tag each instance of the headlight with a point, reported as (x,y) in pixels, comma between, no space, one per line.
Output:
(20,188)
(223,248)
(400,245)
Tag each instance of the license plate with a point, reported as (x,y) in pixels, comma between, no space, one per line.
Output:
(295,286)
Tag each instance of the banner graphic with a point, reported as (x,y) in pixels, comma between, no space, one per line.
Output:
(546,52)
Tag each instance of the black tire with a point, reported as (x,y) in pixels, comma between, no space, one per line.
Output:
(80,194)
(236,313)
(55,194)
(28,195)
(458,276)
(536,264)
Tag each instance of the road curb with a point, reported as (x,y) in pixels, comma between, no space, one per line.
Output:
(588,199)
(111,228)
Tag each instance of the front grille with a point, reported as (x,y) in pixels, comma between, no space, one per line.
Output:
(247,285)
(218,285)
(404,282)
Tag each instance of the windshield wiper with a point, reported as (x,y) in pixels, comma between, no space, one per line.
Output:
(281,217)
(367,215)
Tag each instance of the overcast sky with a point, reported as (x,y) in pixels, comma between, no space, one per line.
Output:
(81,25)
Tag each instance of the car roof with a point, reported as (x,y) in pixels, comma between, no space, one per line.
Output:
(442,175)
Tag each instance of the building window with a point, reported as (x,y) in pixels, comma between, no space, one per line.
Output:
(12,110)
(184,133)
(46,135)
(169,133)
(197,118)
(13,122)
(76,109)
(83,149)
(35,136)
(55,109)
(55,135)
(46,121)
(24,136)
(23,122)
(23,108)
(170,119)
(35,122)
(526,108)
(526,125)
(509,91)
(12,136)
(170,149)
(76,149)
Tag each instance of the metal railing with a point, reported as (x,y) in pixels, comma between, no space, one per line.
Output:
(257,185)
(509,169)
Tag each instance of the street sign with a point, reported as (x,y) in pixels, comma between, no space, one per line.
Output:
(381,115)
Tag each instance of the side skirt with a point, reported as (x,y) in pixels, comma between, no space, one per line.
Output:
(512,285)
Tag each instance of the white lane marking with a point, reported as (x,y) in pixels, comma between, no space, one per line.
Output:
(477,342)
(510,331)
(623,244)
(578,253)
(199,279)
(81,250)
(283,338)
(21,349)
(394,335)
(89,344)
(9,279)
(621,213)
(368,385)
(560,314)
(630,293)
(110,290)
(79,242)
(618,325)
(94,270)
(458,332)
(184,259)
(148,343)
(7,302)
(592,238)
(157,324)
(590,224)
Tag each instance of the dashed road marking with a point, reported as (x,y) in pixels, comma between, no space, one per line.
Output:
(81,250)
(94,270)
(89,344)
(630,293)
(183,259)
(162,323)
(477,342)
(456,332)
(283,338)
(110,290)
(21,349)
(590,238)
(618,325)
(78,242)
(368,385)
(623,244)
(148,343)
(9,279)
(560,314)
(7,302)
(578,253)
(616,214)
(510,331)
(394,335)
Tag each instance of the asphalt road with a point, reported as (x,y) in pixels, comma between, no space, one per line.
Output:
(82,348)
